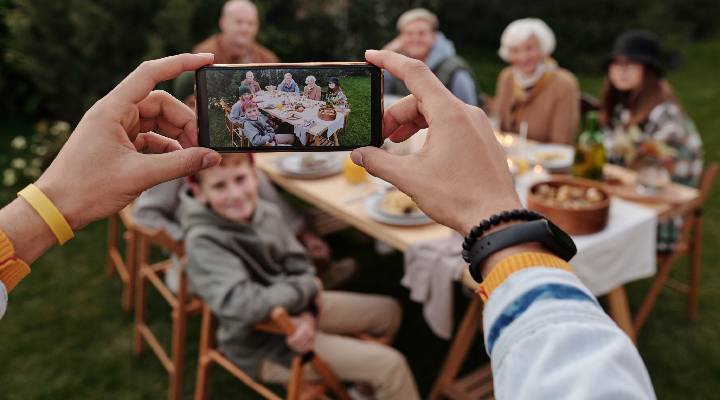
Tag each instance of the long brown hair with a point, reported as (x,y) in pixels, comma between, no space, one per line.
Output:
(653,91)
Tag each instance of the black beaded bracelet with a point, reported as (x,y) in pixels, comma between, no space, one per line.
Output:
(519,214)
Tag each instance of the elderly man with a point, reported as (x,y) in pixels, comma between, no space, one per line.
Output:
(420,38)
(288,85)
(235,44)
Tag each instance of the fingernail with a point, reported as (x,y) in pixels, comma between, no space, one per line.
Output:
(210,160)
(370,51)
(205,54)
(356,157)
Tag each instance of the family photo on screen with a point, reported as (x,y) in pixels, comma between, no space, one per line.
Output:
(288,107)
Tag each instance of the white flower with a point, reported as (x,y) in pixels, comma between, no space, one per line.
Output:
(19,143)
(18,163)
(59,128)
(36,162)
(9,177)
(41,150)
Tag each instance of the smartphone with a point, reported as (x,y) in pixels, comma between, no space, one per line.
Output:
(289,107)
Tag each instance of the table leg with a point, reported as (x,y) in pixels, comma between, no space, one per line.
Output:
(620,311)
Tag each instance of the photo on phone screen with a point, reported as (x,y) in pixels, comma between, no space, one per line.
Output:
(289,107)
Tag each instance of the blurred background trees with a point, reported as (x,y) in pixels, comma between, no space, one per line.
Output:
(59,56)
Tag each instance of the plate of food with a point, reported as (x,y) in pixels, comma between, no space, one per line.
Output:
(552,156)
(310,165)
(394,207)
(577,206)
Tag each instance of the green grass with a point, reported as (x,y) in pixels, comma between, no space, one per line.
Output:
(64,335)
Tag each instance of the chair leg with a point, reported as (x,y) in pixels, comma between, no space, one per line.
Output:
(130,265)
(204,361)
(649,301)
(296,379)
(179,329)
(461,344)
(695,267)
(140,295)
(112,243)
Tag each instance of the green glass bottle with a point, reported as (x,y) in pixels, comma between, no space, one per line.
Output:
(590,151)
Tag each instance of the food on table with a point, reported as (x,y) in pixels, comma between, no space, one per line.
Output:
(313,161)
(398,203)
(569,196)
(654,177)
(299,107)
(327,113)
(549,157)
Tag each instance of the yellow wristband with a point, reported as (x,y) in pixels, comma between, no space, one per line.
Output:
(48,212)
(515,263)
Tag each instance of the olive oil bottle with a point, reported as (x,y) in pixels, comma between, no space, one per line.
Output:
(590,151)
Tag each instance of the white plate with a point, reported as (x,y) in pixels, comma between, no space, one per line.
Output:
(373,208)
(291,165)
(565,159)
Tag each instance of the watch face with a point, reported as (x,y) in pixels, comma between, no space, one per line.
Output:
(563,239)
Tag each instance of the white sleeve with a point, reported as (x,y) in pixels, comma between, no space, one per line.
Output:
(3,299)
(548,338)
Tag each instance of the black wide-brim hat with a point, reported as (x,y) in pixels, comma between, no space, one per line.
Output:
(638,46)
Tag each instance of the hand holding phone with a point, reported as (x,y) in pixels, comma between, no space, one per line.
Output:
(289,107)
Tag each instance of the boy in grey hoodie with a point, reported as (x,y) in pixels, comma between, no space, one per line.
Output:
(243,260)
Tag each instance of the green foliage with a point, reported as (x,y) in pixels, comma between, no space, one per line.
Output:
(60,56)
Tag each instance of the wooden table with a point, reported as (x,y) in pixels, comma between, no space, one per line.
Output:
(336,196)
(317,129)
(344,201)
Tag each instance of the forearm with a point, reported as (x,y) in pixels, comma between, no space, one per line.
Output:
(542,327)
(29,234)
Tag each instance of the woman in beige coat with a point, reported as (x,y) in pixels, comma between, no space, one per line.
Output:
(534,89)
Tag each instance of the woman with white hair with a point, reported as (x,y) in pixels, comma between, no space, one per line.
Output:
(533,89)
(312,90)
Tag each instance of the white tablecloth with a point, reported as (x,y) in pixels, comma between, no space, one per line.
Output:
(621,253)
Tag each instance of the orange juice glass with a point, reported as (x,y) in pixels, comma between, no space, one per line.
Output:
(354,173)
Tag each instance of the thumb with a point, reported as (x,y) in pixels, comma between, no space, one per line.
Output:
(163,167)
(380,163)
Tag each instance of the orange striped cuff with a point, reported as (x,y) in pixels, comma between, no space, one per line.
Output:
(12,269)
(517,262)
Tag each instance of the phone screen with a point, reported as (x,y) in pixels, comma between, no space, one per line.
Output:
(289,107)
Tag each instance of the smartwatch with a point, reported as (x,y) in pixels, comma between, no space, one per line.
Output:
(539,231)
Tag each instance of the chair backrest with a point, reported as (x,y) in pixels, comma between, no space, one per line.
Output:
(690,221)
(707,180)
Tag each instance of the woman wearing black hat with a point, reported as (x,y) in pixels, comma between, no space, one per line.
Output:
(644,123)
(335,92)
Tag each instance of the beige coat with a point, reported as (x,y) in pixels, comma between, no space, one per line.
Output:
(551,108)
(312,93)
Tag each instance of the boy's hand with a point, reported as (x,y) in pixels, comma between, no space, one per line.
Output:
(303,340)
(316,247)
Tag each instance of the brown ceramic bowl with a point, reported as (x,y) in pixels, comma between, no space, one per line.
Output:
(575,221)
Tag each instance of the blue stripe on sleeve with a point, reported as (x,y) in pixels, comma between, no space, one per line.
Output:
(515,309)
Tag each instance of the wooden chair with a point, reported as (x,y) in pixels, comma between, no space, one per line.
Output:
(182,305)
(279,324)
(234,128)
(689,243)
(474,385)
(124,267)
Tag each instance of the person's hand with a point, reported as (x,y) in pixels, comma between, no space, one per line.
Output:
(303,339)
(460,176)
(102,167)
(316,247)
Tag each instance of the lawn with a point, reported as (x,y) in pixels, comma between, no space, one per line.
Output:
(64,335)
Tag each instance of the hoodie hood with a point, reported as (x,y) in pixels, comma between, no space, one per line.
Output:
(441,50)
